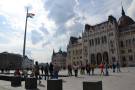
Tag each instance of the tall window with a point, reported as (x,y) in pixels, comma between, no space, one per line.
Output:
(111,43)
(102,39)
(98,40)
(133,41)
(105,39)
(92,42)
(121,44)
(130,58)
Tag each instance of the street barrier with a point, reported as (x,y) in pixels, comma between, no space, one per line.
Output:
(92,85)
(54,84)
(31,83)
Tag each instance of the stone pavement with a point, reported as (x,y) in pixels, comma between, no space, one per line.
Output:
(116,81)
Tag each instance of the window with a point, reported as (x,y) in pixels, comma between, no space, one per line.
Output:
(98,40)
(133,41)
(102,39)
(130,58)
(112,51)
(111,34)
(121,44)
(111,43)
(128,42)
(73,52)
(122,51)
(105,39)
(76,52)
(113,59)
(129,50)
(92,42)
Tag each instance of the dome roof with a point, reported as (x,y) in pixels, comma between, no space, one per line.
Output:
(125,20)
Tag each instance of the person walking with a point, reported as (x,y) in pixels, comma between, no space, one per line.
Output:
(56,69)
(114,66)
(75,69)
(101,66)
(42,70)
(69,70)
(106,69)
(46,71)
(17,72)
(51,70)
(36,72)
(118,66)
(88,69)
(92,68)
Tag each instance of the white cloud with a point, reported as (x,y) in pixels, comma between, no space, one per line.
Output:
(54,22)
(131,10)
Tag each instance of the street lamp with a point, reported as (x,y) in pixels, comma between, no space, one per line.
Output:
(24,44)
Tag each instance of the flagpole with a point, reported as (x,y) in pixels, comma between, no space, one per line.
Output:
(24,44)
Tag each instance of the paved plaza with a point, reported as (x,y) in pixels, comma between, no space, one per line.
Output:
(116,81)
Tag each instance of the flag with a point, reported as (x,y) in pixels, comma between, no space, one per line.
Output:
(30,15)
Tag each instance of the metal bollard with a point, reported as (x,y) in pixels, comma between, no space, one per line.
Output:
(31,83)
(54,84)
(92,85)
(15,81)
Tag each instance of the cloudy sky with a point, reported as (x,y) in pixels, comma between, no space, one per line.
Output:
(53,24)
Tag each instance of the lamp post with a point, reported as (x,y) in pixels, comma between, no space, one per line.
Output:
(27,16)
(24,44)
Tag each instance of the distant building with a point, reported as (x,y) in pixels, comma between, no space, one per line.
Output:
(59,58)
(27,63)
(10,60)
(14,61)
(107,42)
(74,51)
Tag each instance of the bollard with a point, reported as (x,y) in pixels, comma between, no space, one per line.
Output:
(31,83)
(92,85)
(15,81)
(54,84)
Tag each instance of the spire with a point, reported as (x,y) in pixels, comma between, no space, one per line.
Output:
(60,50)
(53,52)
(123,12)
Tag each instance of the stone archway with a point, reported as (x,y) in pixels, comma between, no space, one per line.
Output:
(93,59)
(99,58)
(105,57)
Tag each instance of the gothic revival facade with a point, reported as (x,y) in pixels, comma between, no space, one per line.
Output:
(109,41)
(59,58)
(74,51)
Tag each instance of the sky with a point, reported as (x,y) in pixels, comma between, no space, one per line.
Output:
(53,24)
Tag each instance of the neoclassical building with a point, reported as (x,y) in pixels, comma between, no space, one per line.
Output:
(59,58)
(109,41)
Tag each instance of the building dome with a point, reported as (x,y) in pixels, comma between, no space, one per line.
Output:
(125,20)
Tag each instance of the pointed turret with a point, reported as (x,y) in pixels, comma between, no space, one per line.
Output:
(123,12)
(53,52)
(60,50)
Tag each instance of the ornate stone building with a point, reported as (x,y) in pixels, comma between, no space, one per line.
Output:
(59,58)
(74,51)
(109,41)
